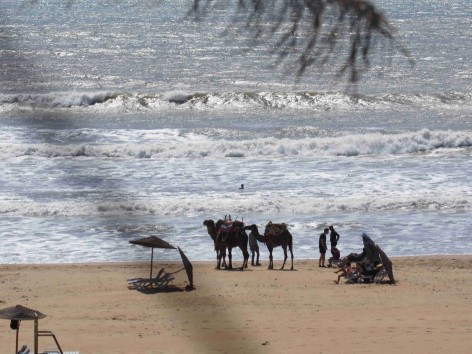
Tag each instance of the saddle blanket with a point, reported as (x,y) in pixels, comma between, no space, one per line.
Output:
(275,229)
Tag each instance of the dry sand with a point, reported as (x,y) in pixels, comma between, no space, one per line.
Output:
(90,309)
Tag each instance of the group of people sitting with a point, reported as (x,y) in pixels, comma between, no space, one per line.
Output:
(357,266)
(353,267)
(359,270)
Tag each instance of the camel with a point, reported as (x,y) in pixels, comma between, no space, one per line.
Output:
(212,230)
(232,235)
(275,235)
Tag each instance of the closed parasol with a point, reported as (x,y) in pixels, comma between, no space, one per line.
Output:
(188,268)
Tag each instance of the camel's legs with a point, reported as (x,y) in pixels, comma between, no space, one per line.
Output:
(246,259)
(291,253)
(218,262)
(285,257)
(223,254)
(230,257)
(271,259)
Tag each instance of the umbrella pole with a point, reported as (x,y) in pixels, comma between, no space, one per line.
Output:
(17,333)
(36,351)
(152,256)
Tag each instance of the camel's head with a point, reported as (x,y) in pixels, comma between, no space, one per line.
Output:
(210,225)
(208,222)
(250,227)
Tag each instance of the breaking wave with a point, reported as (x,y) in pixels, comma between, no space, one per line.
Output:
(57,100)
(242,204)
(318,101)
(166,144)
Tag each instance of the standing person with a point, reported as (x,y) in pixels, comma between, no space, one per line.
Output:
(254,247)
(333,237)
(323,248)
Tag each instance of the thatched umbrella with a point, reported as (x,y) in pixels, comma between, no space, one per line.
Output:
(152,242)
(19,313)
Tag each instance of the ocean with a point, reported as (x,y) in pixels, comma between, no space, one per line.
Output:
(125,119)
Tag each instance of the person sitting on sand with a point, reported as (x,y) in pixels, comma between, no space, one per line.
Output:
(345,272)
(336,256)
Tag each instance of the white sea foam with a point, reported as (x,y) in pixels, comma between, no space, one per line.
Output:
(57,100)
(318,101)
(168,143)
(176,96)
(244,204)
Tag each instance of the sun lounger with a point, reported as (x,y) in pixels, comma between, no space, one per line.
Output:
(159,274)
(381,274)
(24,350)
(56,351)
(375,275)
(161,280)
(354,277)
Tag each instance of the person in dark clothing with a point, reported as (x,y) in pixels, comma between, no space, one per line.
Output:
(333,237)
(336,256)
(323,248)
(254,247)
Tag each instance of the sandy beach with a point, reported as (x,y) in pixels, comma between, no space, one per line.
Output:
(91,309)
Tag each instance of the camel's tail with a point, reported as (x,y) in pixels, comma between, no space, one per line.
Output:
(245,239)
(290,240)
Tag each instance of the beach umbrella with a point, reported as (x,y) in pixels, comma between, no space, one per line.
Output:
(371,249)
(387,263)
(188,268)
(19,313)
(376,254)
(152,242)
